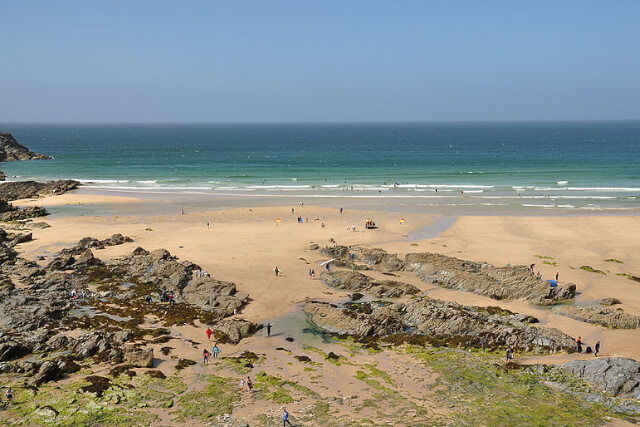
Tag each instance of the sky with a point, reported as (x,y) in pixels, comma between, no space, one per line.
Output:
(318,61)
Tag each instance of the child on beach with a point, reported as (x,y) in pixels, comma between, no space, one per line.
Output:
(216,350)
(249,384)
(205,356)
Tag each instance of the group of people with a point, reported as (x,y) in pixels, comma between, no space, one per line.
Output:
(588,349)
(246,384)
(201,273)
(538,274)
(75,295)
(165,296)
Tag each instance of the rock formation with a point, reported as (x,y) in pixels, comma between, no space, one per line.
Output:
(615,375)
(35,317)
(439,323)
(358,282)
(608,317)
(499,283)
(511,282)
(30,189)
(10,150)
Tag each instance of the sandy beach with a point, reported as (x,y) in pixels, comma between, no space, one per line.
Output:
(244,244)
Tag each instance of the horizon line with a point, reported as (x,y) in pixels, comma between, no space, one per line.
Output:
(318,122)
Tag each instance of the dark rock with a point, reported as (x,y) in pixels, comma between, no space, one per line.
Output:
(97,385)
(303,359)
(23,213)
(331,355)
(30,189)
(10,150)
(156,374)
(610,301)
(49,371)
(183,363)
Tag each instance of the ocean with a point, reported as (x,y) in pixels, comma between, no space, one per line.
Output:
(538,165)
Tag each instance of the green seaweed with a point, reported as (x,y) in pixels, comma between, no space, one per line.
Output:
(591,269)
(544,257)
(217,398)
(617,261)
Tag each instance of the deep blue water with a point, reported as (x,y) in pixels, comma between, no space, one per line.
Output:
(576,163)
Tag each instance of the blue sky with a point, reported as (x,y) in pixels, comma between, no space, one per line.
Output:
(264,61)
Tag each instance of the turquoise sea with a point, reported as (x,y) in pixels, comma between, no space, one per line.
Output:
(545,165)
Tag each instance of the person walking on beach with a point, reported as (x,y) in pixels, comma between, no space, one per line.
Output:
(340,211)
(597,349)
(292,210)
(557,276)
(9,395)
(275,270)
(579,344)
(242,384)
(268,329)
(149,300)
(285,418)
(205,356)
(216,350)
(249,384)
(313,274)
(208,332)
(509,353)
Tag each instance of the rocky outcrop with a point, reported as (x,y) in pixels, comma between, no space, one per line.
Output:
(93,243)
(499,283)
(214,295)
(511,282)
(440,323)
(380,259)
(54,299)
(31,189)
(10,150)
(608,317)
(610,301)
(23,213)
(358,282)
(615,375)
(232,331)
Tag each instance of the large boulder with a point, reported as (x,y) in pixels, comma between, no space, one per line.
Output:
(231,331)
(616,375)
(138,357)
